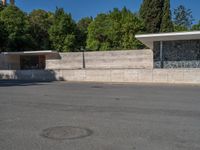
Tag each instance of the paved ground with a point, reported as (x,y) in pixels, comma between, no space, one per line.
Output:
(121,117)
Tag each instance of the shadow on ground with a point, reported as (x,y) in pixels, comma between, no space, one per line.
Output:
(27,77)
(6,83)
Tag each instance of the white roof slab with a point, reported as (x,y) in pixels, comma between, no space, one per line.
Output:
(149,39)
(42,52)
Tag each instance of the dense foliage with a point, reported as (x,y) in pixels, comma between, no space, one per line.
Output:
(83,31)
(17,26)
(183,17)
(62,32)
(3,36)
(42,30)
(156,15)
(151,12)
(166,23)
(40,22)
(196,26)
(115,30)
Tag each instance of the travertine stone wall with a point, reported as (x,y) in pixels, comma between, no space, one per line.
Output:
(191,76)
(39,75)
(64,61)
(120,59)
(178,54)
(102,60)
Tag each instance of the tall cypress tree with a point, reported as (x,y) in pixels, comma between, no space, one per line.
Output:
(166,24)
(151,12)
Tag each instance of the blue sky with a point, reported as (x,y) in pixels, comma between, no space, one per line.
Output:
(83,8)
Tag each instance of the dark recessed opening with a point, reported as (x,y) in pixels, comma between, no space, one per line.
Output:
(32,62)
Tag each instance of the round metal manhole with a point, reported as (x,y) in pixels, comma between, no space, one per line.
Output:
(66,133)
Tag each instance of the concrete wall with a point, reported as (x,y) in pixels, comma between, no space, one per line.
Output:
(108,59)
(39,75)
(134,75)
(65,61)
(191,76)
(113,66)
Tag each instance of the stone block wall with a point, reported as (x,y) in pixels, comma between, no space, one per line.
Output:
(120,59)
(191,76)
(30,75)
(64,61)
(102,60)
(187,76)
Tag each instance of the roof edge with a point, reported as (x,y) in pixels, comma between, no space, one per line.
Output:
(29,52)
(167,34)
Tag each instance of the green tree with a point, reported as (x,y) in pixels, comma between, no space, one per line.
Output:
(3,37)
(98,32)
(151,12)
(1,6)
(63,32)
(130,25)
(166,24)
(83,30)
(3,32)
(115,30)
(179,28)
(40,22)
(183,17)
(16,23)
(196,26)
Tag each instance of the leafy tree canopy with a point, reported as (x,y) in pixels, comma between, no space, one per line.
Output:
(166,24)
(196,26)
(183,17)
(62,32)
(151,12)
(83,30)
(40,22)
(115,30)
(17,26)
(3,36)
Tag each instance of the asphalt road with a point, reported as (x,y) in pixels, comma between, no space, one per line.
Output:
(119,117)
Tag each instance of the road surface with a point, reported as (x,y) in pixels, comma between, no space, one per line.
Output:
(116,116)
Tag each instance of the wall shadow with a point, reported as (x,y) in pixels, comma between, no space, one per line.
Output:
(27,77)
(6,83)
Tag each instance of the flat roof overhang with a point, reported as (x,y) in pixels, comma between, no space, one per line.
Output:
(149,39)
(45,52)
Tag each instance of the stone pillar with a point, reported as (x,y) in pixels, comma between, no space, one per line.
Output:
(161,54)
(4,2)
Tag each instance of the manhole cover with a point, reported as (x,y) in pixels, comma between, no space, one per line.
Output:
(65,133)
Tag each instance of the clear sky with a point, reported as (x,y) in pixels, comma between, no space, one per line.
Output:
(83,8)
